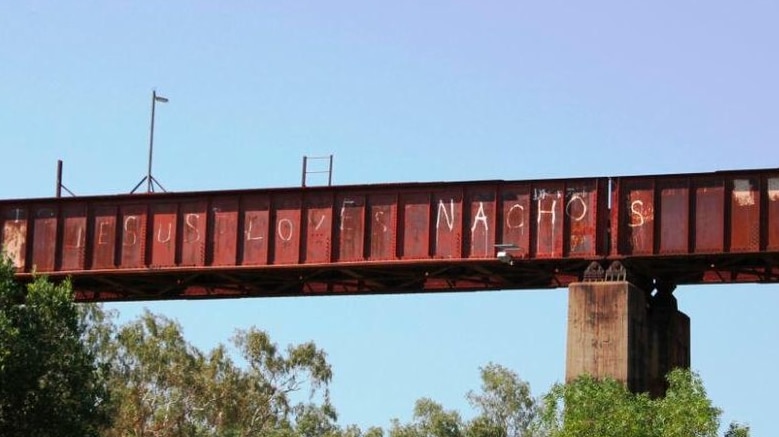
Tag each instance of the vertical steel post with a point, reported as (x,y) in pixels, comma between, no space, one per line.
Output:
(150,187)
(58,192)
(330,172)
(303,181)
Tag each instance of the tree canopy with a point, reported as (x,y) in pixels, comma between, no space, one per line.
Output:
(167,387)
(69,370)
(605,408)
(50,381)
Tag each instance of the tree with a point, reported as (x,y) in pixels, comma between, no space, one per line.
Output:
(167,387)
(737,430)
(588,406)
(686,410)
(50,383)
(430,420)
(505,404)
(155,378)
(584,407)
(606,408)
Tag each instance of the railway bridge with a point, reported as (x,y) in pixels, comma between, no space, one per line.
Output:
(621,245)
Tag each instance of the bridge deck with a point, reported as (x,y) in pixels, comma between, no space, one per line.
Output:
(690,228)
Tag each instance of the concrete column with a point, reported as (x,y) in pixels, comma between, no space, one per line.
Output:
(617,330)
(669,340)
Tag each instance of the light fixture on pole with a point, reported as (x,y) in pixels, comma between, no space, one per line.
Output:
(149,179)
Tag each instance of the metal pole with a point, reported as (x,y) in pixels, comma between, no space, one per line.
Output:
(59,178)
(150,187)
(330,172)
(303,182)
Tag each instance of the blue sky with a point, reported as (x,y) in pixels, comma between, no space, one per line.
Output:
(406,91)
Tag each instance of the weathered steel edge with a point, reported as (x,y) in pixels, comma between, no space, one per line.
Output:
(373,187)
(426,276)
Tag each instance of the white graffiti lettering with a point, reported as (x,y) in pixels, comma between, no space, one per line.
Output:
(448,216)
(102,233)
(344,216)
(516,211)
(542,193)
(168,237)
(130,231)
(551,211)
(569,205)
(190,222)
(79,239)
(636,213)
(319,223)
(249,227)
(280,229)
(481,217)
(379,216)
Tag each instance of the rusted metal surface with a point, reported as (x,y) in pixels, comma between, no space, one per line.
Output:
(73,243)
(711,227)
(714,213)
(772,233)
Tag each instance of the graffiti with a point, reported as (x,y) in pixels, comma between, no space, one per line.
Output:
(515,217)
(79,239)
(249,230)
(167,238)
(379,218)
(103,235)
(285,229)
(569,207)
(639,214)
(344,216)
(129,231)
(448,216)
(190,226)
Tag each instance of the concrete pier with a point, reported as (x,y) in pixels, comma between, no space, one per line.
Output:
(618,330)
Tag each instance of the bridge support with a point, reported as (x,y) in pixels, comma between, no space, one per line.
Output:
(617,330)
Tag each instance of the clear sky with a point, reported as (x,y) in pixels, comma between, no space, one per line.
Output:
(406,91)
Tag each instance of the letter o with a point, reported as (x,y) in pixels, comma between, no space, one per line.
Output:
(511,224)
(581,216)
(285,236)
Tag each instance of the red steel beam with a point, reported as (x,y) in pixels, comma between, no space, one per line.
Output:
(399,238)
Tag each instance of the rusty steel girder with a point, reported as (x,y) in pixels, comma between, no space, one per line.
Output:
(400,238)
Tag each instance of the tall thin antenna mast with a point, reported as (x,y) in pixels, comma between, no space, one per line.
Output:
(149,179)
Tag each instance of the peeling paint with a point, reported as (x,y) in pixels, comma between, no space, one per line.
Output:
(773,189)
(14,235)
(743,193)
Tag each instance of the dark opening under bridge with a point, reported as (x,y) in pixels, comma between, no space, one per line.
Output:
(663,230)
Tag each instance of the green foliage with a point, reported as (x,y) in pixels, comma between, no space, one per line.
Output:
(505,404)
(584,407)
(737,430)
(50,383)
(68,370)
(430,420)
(355,431)
(155,379)
(591,407)
(167,387)
(606,408)
(685,410)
